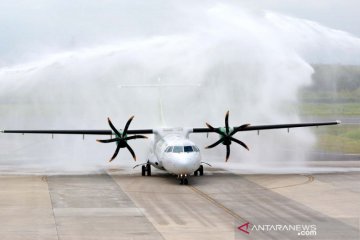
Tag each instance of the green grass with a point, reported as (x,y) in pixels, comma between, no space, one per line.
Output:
(329,102)
(330,96)
(342,138)
(329,109)
(355,134)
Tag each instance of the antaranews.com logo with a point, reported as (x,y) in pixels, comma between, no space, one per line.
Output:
(298,229)
(308,229)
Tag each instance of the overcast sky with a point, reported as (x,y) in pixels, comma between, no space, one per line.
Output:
(338,14)
(33,28)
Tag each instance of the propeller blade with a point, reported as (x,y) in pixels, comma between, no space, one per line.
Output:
(207,164)
(215,144)
(215,129)
(108,140)
(239,128)
(226,136)
(139,165)
(127,125)
(131,150)
(227,152)
(227,122)
(239,142)
(116,153)
(134,137)
(244,126)
(113,128)
(121,139)
(209,126)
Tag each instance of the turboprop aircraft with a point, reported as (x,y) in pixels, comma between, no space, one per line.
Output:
(171,149)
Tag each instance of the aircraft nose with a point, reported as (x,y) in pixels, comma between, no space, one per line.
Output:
(187,163)
(184,161)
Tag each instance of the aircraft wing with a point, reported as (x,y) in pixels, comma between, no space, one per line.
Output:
(122,136)
(227,133)
(245,127)
(121,133)
(80,132)
(248,127)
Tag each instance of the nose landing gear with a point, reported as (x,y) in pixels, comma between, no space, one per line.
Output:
(183,179)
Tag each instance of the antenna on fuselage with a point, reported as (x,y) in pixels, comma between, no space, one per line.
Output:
(161,108)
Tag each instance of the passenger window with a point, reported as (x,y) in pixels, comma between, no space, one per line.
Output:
(178,149)
(169,149)
(188,149)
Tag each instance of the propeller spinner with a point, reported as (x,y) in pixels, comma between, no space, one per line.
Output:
(226,135)
(121,139)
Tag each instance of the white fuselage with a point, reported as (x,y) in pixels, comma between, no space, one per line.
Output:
(174,152)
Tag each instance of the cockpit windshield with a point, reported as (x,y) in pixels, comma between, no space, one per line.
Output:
(180,149)
(196,149)
(188,149)
(169,149)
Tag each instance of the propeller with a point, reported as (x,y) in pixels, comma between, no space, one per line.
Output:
(121,139)
(226,135)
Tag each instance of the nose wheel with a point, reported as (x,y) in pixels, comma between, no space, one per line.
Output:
(183,179)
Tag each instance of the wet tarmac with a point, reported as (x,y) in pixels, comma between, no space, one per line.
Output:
(121,204)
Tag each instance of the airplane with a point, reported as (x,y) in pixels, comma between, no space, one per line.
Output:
(171,149)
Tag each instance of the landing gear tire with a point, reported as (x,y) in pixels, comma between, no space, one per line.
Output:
(200,171)
(148,169)
(143,170)
(183,180)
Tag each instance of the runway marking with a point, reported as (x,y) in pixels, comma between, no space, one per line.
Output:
(309,180)
(45,179)
(219,205)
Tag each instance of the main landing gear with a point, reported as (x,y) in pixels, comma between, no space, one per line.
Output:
(183,179)
(146,169)
(200,171)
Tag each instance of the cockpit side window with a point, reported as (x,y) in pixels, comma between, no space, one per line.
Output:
(178,149)
(188,149)
(169,149)
(196,149)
